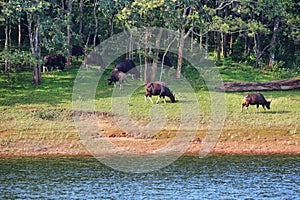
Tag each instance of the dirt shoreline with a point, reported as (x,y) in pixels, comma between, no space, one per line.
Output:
(232,140)
(146,146)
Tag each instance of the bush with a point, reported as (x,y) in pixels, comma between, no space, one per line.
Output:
(50,114)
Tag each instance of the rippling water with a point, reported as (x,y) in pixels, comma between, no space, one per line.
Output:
(190,177)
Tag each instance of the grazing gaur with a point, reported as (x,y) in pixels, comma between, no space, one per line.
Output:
(127,66)
(159,89)
(116,76)
(255,99)
(54,60)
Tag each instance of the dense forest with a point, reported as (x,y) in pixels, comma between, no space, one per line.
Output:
(262,33)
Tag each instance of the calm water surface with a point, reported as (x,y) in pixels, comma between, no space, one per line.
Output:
(190,177)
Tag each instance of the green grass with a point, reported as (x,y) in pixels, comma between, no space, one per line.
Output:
(234,72)
(284,110)
(45,111)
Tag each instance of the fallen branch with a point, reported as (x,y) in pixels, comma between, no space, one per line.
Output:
(259,86)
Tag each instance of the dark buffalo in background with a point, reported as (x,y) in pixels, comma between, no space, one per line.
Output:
(94,59)
(255,99)
(166,63)
(57,61)
(77,51)
(167,60)
(127,66)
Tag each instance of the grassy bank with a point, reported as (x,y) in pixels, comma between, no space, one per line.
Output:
(39,118)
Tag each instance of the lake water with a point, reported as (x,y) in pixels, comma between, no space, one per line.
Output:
(190,177)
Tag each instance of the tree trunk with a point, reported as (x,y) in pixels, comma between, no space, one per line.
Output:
(37,69)
(246,46)
(225,35)
(96,22)
(35,47)
(19,33)
(257,49)
(225,41)
(206,46)
(110,25)
(9,34)
(110,21)
(140,58)
(37,44)
(36,75)
(201,43)
(218,45)
(8,30)
(259,86)
(69,31)
(192,36)
(155,59)
(30,34)
(81,22)
(129,46)
(180,54)
(7,68)
(167,52)
(273,42)
(231,45)
(218,34)
(192,43)
(6,44)
(127,52)
(182,36)
(147,68)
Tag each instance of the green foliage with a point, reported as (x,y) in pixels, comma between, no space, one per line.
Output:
(240,19)
(19,59)
(11,10)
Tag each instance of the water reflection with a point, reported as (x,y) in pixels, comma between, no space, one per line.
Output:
(212,177)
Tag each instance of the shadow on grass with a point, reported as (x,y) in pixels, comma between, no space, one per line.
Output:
(56,88)
(277,112)
(183,101)
(269,112)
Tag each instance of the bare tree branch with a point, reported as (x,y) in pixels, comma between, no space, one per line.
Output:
(224,4)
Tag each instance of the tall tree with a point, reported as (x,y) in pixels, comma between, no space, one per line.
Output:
(273,42)
(218,34)
(80,22)
(33,11)
(69,32)
(7,18)
(157,47)
(184,28)
(277,14)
